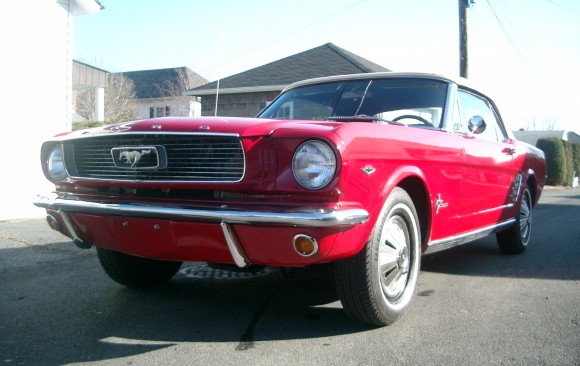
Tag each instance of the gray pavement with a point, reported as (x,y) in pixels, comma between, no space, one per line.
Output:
(474,306)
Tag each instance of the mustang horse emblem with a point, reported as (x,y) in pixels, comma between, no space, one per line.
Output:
(132,156)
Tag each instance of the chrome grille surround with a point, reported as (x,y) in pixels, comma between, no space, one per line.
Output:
(191,157)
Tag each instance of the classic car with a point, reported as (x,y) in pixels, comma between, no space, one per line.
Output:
(365,173)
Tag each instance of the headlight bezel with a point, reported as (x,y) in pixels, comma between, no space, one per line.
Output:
(55,165)
(309,152)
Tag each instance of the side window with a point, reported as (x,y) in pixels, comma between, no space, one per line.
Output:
(471,105)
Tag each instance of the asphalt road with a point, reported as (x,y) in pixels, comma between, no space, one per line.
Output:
(473,306)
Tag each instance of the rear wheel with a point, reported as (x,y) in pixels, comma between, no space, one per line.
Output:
(515,239)
(134,271)
(376,286)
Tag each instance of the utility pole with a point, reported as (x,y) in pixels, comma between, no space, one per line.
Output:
(464,6)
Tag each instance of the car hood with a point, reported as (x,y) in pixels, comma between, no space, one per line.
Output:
(244,127)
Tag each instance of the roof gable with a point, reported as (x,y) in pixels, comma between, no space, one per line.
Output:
(325,60)
(162,83)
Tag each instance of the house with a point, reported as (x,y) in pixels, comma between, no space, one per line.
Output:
(36,92)
(160,92)
(88,77)
(532,137)
(246,93)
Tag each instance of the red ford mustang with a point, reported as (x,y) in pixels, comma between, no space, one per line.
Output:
(367,171)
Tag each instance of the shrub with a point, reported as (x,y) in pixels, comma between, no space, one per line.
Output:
(576,157)
(89,123)
(554,150)
(569,163)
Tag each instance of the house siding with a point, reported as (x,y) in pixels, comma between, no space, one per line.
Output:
(236,105)
(182,108)
(36,36)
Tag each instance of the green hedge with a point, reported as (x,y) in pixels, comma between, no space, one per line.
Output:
(576,153)
(92,123)
(555,153)
(569,163)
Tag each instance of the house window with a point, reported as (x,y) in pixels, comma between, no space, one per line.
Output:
(159,111)
(286,111)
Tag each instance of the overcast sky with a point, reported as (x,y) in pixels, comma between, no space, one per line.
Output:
(525,54)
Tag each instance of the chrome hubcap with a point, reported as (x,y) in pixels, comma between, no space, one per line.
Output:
(525,218)
(394,257)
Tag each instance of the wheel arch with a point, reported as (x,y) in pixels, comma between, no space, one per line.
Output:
(417,190)
(532,184)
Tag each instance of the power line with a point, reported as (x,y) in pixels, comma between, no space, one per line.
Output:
(562,7)
(316,22)
(506,33)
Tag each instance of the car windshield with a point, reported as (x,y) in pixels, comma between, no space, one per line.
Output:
(416,102)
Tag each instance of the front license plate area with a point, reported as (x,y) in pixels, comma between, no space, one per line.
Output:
(149,237)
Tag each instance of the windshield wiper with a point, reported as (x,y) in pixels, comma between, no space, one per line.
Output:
(362,118)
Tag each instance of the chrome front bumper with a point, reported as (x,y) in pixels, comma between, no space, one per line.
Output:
(304,217)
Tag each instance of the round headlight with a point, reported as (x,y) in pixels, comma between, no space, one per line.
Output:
(314,165)
(55,163)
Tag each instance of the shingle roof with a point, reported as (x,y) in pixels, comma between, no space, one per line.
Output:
(154,83)
(532,137)
(325,60)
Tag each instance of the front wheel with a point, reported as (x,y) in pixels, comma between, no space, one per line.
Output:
(134,271)
(515,239)
(376,286)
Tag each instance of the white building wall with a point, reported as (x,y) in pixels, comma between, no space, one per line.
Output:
(182,108)
(35,70)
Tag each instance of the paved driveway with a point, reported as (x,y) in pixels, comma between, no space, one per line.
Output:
(474,306)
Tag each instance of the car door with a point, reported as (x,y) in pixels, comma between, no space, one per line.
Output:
(489,165)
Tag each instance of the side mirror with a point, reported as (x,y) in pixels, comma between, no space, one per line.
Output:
(476,125)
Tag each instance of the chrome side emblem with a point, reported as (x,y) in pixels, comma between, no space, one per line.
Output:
(440,203)
(369,169)
(516,187)
(139,157)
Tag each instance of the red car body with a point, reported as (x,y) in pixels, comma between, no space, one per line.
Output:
(462,187)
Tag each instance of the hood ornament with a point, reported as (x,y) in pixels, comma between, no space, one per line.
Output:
(117,128)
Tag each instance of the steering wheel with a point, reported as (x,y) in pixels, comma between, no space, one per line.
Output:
(412,116)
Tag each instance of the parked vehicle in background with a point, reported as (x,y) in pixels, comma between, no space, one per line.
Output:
(366,171)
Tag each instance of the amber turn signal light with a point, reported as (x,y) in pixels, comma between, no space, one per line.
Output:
(305,245)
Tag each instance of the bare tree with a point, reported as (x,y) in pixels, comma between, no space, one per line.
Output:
(172,89)
(184,80)
(119,98)
(546,123)
(119,101)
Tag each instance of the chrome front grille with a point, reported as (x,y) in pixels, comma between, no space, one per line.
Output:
(189,158)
